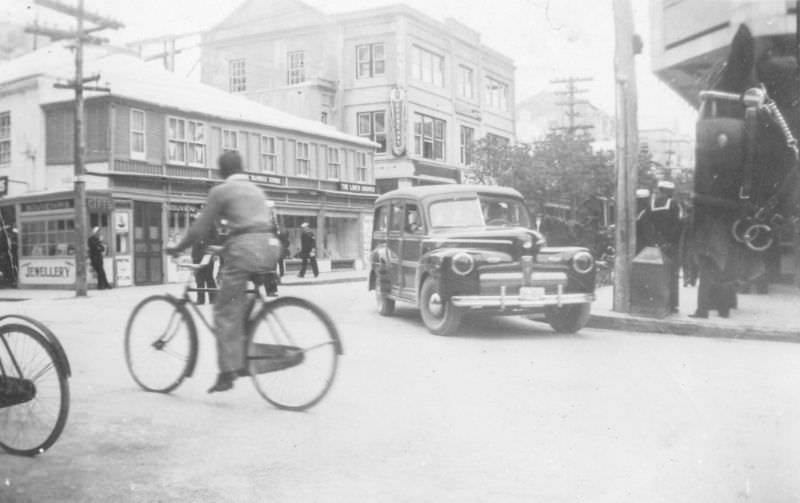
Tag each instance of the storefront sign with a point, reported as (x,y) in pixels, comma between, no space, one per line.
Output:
(47,271)
(185,208)
(356,187)
(397,109)
(264,178)
(99,204)
(121,222)
(58,204)
(124,271)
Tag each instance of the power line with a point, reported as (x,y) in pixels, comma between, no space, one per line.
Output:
(571,92)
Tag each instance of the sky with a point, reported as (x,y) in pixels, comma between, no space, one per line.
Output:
(547,39)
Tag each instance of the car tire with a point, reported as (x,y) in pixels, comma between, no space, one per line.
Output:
(441,318)
(385,304)
(568,319)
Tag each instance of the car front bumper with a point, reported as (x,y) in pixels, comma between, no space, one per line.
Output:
(504,301)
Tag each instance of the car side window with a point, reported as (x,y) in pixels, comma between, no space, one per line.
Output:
(413,219)
(381,223)
(396,217)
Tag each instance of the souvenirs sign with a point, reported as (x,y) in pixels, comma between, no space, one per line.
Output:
(397,108)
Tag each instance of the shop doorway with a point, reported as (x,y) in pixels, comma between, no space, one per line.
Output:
(147,242)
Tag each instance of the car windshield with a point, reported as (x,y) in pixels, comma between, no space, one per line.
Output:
(504,211)
(456,213)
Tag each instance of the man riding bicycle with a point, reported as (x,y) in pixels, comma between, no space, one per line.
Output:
(251,248)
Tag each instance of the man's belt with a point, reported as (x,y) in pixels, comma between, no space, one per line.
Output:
(258,229)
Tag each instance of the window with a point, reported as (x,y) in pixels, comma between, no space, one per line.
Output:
(372,125)
(429,137)
(5,138)
(268,161)
(324,117)
(137,134)
(413,220)
(230,140)
(237,79)
(427,66)
(334,164)
(396,217)
(466,82)
(370,61)
(381,220)
(186,142)
(296,68)
(302,163)
(361,167)
(466,138)
(48,237)
(496,94)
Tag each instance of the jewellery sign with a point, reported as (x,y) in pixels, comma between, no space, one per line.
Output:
(47,272)
(397,109)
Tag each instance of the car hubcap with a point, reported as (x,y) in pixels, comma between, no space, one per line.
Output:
(435,305)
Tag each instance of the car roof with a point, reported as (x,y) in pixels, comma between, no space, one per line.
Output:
(427,191)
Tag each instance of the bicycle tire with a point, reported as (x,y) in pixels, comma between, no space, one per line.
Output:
(179,316)
(280,387)
(51,434)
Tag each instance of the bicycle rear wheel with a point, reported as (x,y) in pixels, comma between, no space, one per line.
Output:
(160,343)
(293,353)
(34,393)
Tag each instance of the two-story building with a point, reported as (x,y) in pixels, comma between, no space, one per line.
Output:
(423,90)
(151,149)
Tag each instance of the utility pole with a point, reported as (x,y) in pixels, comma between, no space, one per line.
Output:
(80,36)
(571,92)
(627,151)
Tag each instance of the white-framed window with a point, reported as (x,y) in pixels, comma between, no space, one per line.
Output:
(196,143)
(302,160)
(429,137)
(176,140)
(230,140)
(268,158)
(370,60)
(372,125)
(334,163)
(427,66)
(5,138)
(466,84)
(296,68)
(137,134)
(361,167)
(237,76)
(496,94)
(467,136)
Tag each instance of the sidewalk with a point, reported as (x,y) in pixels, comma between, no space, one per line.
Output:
(771,317)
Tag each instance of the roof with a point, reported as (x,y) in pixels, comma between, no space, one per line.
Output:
(130,77)
(428,191)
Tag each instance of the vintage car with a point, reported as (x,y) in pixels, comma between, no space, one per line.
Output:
(451,249)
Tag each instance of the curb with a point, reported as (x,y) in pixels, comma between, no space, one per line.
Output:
(686,328)
(317,281)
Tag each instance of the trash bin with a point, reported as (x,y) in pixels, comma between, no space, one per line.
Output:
(650,283)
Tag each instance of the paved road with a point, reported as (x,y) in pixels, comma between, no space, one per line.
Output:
(506,411)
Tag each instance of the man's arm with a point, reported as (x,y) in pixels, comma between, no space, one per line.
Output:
(204,224)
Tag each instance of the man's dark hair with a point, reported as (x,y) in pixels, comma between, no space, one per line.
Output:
(229,163)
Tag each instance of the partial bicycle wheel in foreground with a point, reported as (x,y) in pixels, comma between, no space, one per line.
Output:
(34,390)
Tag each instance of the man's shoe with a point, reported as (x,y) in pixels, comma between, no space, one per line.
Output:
(699,314)
(224,382)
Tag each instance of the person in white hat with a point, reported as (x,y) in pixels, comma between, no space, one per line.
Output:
(96,251)
(642,201)
(308,250)
(664,232)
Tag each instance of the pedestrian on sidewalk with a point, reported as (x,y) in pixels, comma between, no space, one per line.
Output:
(204,276)
(662,219)
(96,251)
(308,250)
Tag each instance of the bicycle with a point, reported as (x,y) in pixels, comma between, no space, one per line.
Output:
(34,387)
(161,344)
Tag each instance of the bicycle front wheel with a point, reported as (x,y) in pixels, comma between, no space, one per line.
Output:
(160,344)
(34,393)
(293,353)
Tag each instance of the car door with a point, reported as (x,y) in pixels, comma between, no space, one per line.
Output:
(413,232)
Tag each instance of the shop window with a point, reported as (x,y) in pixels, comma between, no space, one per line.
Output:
(362,173)
(370,61)
(429,135)
(230,140)
(296,70)
(5,138)
(496,94)
(427,66)
(48,237)
(268,160)
(137,134)
(334,164)
(372,125)
(302,161)
(237,77)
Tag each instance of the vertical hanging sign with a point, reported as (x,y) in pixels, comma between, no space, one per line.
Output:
(397,108)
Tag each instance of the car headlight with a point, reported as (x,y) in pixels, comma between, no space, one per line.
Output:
(582,262)
(462,263)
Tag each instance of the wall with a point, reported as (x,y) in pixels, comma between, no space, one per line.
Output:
(26,169)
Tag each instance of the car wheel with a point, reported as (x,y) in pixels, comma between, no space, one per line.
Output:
(385,304)
(441,317)
(568,319)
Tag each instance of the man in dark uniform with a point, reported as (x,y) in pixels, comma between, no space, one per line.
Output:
(663,217)
(204,277)
(96,250)
(642,231)
(308,250)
